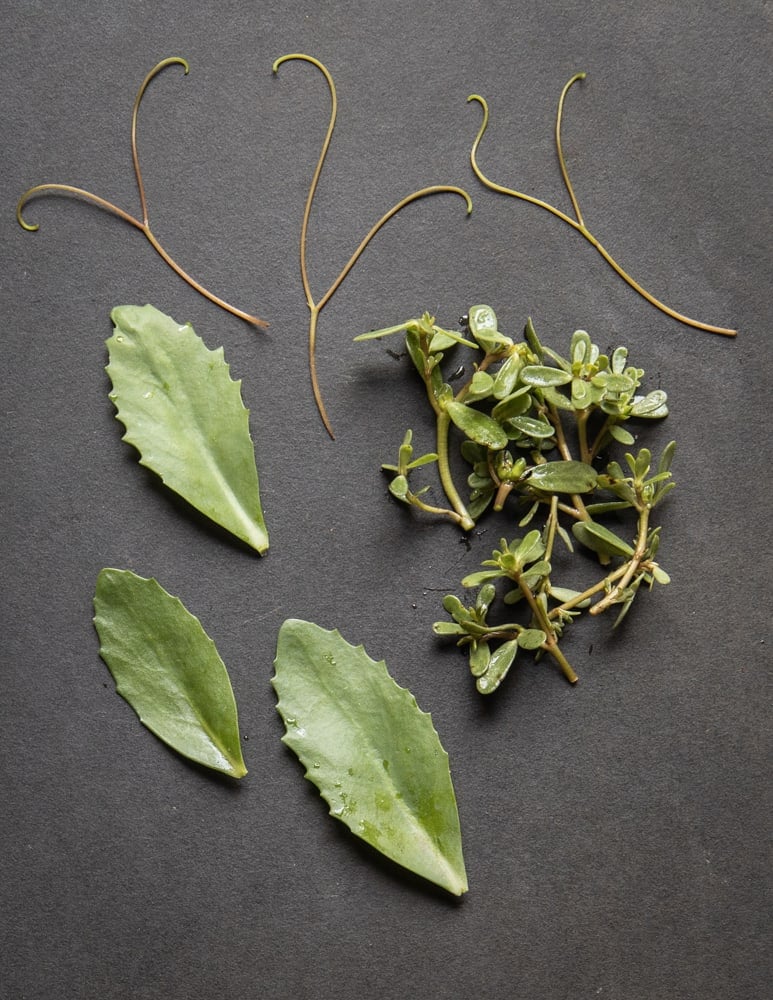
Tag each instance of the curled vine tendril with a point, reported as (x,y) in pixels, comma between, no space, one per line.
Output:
(317,305)
(577,223)
(143,223)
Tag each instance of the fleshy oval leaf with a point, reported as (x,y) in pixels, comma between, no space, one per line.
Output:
(501,660)
(372,753)
(478,426)
(185,416)
(541,376)
(167,668)
(563,477)
(600,539)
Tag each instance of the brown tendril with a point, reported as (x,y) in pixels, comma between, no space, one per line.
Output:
(316,305)
(142,224)
(579,223)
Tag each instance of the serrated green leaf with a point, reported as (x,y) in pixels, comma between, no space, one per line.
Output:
(477,426)
(563,477)
(372,753)
(167,668)
(185,416)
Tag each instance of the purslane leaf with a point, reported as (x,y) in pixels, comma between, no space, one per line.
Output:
(563,477)
(185,416)
(372,753)
(167,668)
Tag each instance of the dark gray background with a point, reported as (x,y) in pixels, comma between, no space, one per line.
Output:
(616,833)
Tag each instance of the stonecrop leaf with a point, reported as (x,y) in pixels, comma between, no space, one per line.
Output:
(185,416)
(372,753)
(167,668)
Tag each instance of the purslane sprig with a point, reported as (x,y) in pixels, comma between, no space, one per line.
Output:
(512,415)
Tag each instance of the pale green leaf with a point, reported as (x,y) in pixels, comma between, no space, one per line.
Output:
(185,416)
(600,539)
(399,488)
(501,660)
(385,332)
(563,477)
(531,638)
(653,406)
(477,426)
(372,753)
(167,668)
(541,376)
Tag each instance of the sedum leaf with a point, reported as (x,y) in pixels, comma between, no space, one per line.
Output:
(167,668)
(372,753)
(185,416)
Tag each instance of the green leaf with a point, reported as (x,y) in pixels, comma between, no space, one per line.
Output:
(477,426)
(532,427)
(507,376)
(653,406)
(372,753)
(443,339)
(563,477)
(600,539)
(481,386)
(501,660)
(514,405)
(482,576)
(482,321)
(582,394)
(531,638)
(399,488)
(621,435)
(185,416)
(167,668)
(427,459)
(447,628)
(480,657)
(387,330)
(541,376)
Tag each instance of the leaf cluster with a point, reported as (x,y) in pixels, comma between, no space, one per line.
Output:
(535,427)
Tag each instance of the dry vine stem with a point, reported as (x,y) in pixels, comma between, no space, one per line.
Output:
(142,224)
(317,305)
(578,222)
